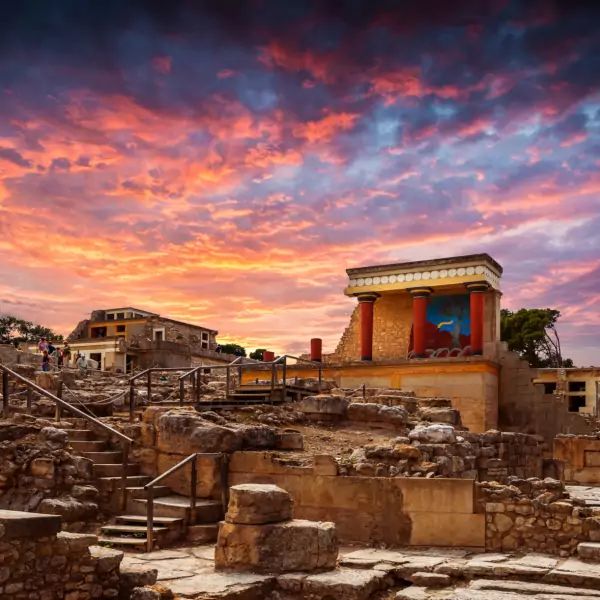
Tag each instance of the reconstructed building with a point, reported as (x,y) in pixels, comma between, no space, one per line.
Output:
(579,387)
(122,339)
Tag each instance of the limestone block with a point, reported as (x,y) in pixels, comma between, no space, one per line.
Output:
(433,434)
(291,546)
(136,576)
(107,559)
(42,467)
(254,504)
(184,432)
(324,404)
(289,439)
(69,509)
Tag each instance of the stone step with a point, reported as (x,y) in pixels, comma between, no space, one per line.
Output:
(138,542)
(104,458)
(207,511)
(131,481)
(80,434)
(130,529)
(589,550)
(129,519)
(202,534)
(115,470)
(142,492)
(88,445)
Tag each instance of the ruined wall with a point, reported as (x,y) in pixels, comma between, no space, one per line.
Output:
(392,322)
(471,384)
(40,562)
(524,407)
(580,456)
(535,515)
(395,511)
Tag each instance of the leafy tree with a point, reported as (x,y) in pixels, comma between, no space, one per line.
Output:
(233,349)
(532,333)
(14,331)
(257,354)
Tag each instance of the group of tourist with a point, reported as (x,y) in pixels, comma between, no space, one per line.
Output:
(52,354)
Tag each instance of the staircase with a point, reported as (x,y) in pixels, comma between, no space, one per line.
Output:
(249,394)
(173,517)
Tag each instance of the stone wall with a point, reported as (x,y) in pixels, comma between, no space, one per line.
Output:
(523,406)
(372,510)
(40,562)
(580,457)
(392,322)
(38,472)
(535,515)
(471,383)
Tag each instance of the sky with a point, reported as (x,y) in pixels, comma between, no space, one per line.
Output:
(224,162)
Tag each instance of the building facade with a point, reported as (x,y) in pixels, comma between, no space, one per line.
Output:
(122,339)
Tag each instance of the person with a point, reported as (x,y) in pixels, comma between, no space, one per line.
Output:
(81,363)
(218,348)
(43,345)
(45,361)
(66,352)
(59,358)
(51,348)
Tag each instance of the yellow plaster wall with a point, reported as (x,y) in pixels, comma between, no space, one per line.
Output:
(390,510)
(581,457)
(471,384)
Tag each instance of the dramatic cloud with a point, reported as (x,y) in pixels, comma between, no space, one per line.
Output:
(224,163)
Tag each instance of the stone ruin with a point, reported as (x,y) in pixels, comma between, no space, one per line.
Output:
(286,517)
(259,534)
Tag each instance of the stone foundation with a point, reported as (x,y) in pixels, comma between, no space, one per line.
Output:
(40,562)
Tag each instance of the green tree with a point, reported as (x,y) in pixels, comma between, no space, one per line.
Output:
(233,349)
(14,331)
(532,333)
(257,354)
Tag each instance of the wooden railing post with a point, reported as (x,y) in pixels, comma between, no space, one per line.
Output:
(227,371)
(125,461)
(284,374)
(193,482)
(181,391)
(131,399)
(29,400)
(5,393)
(150,519)
(224,481)
(149,386)
(198,382)
(58,411)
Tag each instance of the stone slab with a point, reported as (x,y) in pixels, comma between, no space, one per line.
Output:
(19,524)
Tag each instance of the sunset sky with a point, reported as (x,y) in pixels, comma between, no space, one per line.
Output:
(225,166)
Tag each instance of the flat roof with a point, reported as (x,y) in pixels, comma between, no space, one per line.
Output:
(416,264)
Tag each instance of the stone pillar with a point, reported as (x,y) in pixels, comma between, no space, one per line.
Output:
(366,303)
(476,297)
(316,349)
(268,356)
(420,296)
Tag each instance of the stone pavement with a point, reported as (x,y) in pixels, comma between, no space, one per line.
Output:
(434,573)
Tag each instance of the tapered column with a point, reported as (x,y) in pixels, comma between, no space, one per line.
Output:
(366,304)
(420,297)
(476,299)
(316,349)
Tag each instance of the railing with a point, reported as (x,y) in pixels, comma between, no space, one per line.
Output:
(125,441)
(192,459)
(148,374)
(239,365)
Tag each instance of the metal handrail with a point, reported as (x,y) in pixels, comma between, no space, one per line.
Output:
(148,374)
(126,441)
(192,458)
(59,402)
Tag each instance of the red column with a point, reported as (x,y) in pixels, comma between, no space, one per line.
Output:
(476,297)
(366,304)
(419,319)
(316,349)
(268,356)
